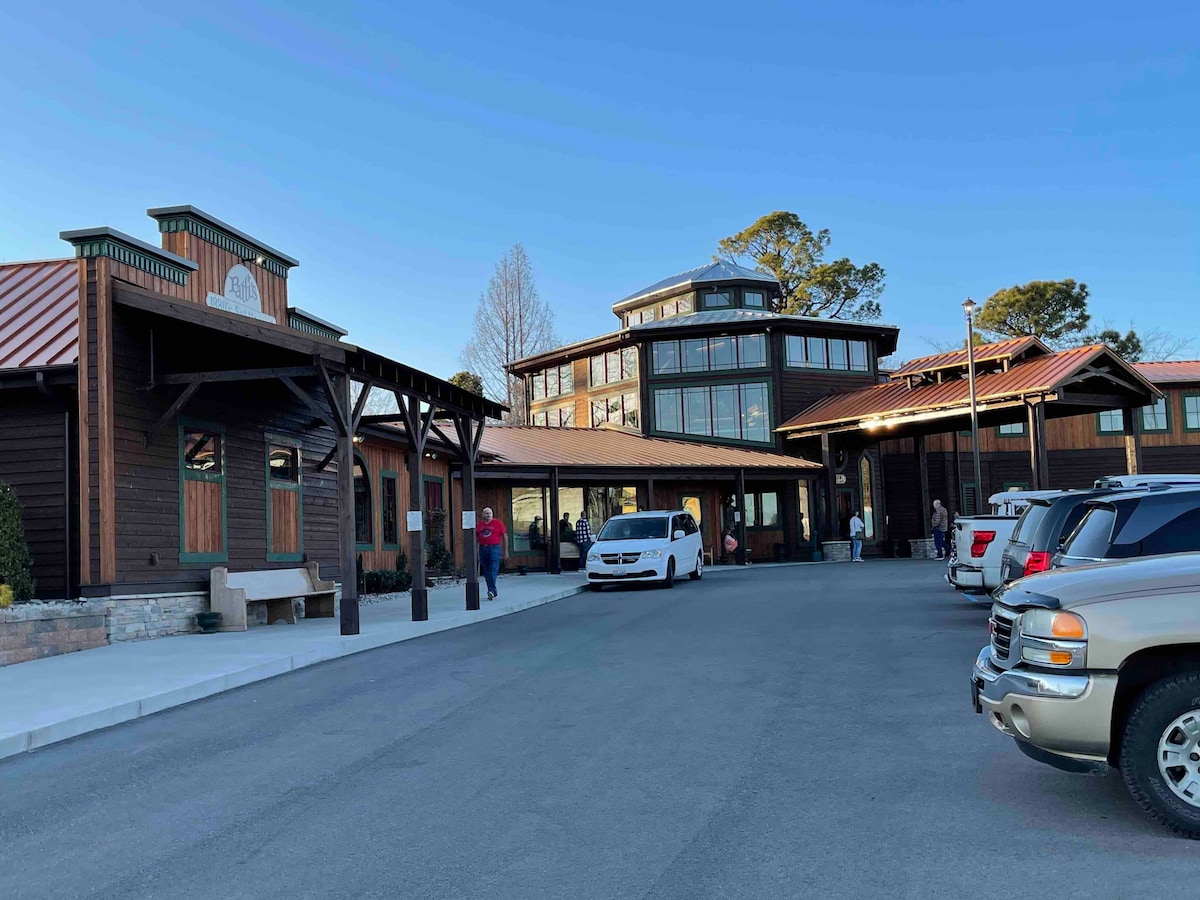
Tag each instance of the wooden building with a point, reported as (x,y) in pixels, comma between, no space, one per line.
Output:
(166,411)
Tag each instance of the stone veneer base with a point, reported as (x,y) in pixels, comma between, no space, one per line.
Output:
(37,630)
(836,551)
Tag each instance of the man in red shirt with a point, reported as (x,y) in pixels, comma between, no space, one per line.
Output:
(493,546)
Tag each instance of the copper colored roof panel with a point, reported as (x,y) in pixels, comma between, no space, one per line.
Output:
(530,445)
(1008,349)
(1041,374)
(1177,371)
(39,314)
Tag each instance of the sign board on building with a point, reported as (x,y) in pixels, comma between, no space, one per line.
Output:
(468,517)
(413,519)
(240,295)
(840,478)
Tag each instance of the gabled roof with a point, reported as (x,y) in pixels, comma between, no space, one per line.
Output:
(39,314)
(530,446)
(895,398)
(1176,371)
(1011,349)
(720,270)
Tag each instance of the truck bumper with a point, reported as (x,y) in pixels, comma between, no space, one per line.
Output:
(964,577)
(1063,718)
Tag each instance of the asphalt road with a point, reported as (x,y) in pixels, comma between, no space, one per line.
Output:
(768,733)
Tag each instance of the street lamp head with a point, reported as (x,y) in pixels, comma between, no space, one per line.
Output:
(969,307)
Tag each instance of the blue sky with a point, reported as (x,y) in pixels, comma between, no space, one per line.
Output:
(399,149)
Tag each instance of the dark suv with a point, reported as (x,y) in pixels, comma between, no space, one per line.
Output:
(1141,523)
(1044,526)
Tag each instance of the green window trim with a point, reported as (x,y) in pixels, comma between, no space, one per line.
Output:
(1183,405)
(872,361)
(1023,433)
(359,459)
(1014,485)
(1104,432)
(389,475)
(282,440)
(1141,419)
(185,474)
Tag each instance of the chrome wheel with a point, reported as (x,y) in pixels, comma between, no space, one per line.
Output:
(1179,757)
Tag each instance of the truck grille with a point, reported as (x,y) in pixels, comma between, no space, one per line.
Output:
(1002,629)
(619,559)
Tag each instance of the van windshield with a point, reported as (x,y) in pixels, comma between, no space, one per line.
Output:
(619,529)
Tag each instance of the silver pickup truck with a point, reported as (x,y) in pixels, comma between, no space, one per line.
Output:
(1099,666)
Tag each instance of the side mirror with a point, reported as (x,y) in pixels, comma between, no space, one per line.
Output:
(679,534)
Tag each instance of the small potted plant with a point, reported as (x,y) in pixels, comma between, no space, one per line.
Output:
(208,622)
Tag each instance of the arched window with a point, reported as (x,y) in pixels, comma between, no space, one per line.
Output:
(866,486)
(363,514)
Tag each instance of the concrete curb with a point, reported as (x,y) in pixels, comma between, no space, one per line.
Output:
(338,647)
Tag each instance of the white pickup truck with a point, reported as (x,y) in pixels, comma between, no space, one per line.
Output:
(978,542)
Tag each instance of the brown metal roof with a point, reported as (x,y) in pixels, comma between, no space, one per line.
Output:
(39,314)
(1178,371)
(529,445)
(1039,375)
(1008,349)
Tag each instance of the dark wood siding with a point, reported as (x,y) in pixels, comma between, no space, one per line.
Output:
(36,447)
(147,477)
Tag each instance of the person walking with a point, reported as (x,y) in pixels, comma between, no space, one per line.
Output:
(493,547)
(583,536)
(858,530)
(939,522)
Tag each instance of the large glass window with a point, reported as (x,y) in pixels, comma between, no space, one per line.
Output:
(808,352)
(553,382)
(866,486)
(762,509)
(733,411)
(1155,416)
(1110,422)
(619,409)
(528,528)
(616,365)
(747,351)
(558,417)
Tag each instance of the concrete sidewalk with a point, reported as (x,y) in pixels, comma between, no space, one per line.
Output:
(49,700)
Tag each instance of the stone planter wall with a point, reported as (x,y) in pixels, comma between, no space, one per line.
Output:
(144,616)
(923,548)
(37,630)
(836,551)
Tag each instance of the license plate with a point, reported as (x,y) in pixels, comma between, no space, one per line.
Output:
(618,572)
(975,696)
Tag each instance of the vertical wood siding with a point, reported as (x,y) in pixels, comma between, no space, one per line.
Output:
(285,521)
(214,264)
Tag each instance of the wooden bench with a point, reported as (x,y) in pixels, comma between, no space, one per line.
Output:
(231,591)
(568,553)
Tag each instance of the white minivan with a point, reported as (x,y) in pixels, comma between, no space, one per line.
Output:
(654,546)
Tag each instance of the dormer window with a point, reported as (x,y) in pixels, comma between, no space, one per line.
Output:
(718,300)
(755,299)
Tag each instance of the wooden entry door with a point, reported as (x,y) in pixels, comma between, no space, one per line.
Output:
(845,509)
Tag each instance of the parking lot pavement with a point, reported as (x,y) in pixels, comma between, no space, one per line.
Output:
(791,732)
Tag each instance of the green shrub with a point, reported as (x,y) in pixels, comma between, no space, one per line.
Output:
(6,596)
(16,565)
(386,581)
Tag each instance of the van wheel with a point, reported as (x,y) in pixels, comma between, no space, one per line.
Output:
(1160,753)
(698,572)
(669,581)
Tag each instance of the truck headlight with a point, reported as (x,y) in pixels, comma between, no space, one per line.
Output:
(651,554)
(1052,638)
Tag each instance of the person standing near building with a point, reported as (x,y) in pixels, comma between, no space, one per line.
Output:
(491,535)
(939,523)
(583,536)
(858,530)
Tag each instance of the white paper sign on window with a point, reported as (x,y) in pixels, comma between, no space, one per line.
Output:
(414,520)
(468,519)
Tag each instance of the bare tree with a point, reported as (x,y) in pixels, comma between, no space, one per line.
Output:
(511,322)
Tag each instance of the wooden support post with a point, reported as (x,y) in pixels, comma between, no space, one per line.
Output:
(1043,456)
(348,616)
(469,433)
(1038,463)
(741,523)
(921,461)
(415,423)
(650,493)
(829,504)
(1133,442)
(553,550)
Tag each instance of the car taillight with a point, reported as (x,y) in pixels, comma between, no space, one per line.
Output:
(980,541)
(1038,561)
